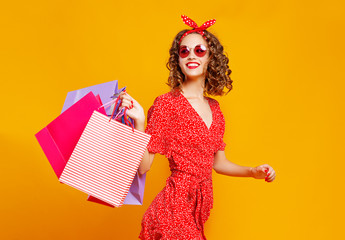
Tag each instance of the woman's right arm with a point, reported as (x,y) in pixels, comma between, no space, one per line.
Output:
(147,160)
(136,112)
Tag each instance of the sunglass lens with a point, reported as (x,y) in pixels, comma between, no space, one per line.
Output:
(184,52)
(200,50)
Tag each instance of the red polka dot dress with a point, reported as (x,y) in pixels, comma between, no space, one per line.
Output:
(177,131)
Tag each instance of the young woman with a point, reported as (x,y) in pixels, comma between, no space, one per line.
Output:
(188,127)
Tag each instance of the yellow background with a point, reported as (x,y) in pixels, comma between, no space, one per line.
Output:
(286,109)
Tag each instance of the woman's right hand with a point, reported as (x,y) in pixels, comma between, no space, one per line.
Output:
(135,110)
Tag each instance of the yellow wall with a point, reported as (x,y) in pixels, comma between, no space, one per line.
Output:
(286,109)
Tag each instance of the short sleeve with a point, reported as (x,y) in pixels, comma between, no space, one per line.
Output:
(220,144)
(158,118)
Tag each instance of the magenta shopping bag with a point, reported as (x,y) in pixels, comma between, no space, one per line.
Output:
(106,91)
(59,137)
(105,159)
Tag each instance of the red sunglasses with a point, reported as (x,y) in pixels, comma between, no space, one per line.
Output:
(199,50)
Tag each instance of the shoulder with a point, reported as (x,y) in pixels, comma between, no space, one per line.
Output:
(163,104)
(216,106)
(166,99)
(213,101)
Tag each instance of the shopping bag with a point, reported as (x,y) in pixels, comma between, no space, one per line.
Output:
(59,137)
(135,195)
(136,191)
(107,91)
(105,159)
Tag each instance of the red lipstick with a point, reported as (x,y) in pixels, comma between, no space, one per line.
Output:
(192,65)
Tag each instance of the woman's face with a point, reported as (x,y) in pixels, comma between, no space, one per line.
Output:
(193,66)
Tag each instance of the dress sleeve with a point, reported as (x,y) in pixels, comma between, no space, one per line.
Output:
(158,119)
(220,145)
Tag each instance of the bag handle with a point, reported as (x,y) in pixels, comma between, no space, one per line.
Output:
(120,114)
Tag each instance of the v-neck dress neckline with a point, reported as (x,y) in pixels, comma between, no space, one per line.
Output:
(202,120)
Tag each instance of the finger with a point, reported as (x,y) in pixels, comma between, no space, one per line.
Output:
(131,98)
(271,178)
(125,97)
(122,94)
(267,176)
(271,172)
(263,171)
(266,166)
(126,102)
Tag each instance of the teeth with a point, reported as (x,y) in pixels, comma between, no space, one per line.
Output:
(192,65)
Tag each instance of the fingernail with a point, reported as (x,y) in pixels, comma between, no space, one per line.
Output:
(266,170)
(132,101)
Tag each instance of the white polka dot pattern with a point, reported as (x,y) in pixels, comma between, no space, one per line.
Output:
(208,24)
(195,27)
(177,131)
(189,21)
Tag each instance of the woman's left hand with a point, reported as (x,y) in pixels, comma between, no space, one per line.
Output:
(264,171)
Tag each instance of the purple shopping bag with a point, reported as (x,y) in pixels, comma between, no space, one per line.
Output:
(106,91)
(59,137)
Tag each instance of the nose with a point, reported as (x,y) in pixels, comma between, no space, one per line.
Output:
(191,54)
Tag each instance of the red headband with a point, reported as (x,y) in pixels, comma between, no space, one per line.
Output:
(195,27)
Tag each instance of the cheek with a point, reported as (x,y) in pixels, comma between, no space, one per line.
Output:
(205,63)
(181,64)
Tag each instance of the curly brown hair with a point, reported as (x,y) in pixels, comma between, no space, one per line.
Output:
(218,72)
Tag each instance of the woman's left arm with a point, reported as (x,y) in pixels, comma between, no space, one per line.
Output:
(223,166)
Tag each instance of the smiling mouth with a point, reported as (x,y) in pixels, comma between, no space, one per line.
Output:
(192,65)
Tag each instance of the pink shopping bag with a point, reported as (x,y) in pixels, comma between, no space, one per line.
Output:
(59,137)
(105,159)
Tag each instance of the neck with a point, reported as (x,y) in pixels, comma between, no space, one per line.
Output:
(194,88)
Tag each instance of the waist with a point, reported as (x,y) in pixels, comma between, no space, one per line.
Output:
(191,177)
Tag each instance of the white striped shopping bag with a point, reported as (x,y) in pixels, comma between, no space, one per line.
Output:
(105,159)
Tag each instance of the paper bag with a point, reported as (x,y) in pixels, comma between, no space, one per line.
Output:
(59,137)
(105,159)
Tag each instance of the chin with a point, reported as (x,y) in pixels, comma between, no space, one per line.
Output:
(194,76)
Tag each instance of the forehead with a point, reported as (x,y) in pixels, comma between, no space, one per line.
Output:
(193,39)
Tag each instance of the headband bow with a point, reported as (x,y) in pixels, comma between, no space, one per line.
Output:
(195,27)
